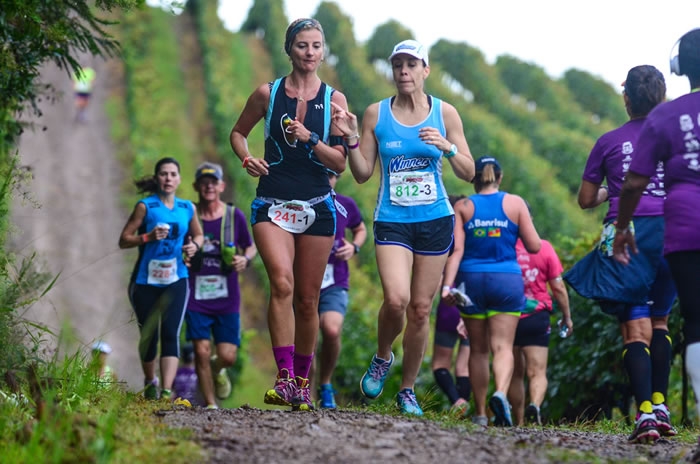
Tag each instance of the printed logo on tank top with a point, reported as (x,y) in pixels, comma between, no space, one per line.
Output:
(490,228)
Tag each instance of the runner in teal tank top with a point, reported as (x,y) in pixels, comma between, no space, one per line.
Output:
(167,232)
(409,134)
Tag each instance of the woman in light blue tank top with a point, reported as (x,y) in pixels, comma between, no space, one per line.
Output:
(168,234)
(407,136)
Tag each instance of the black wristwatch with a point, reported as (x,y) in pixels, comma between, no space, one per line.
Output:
(313,139)
(357,248)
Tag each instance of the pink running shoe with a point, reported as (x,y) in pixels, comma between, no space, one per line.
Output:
(284,390)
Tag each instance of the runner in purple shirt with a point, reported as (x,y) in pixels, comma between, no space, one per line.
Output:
(214,303)
(333,301)
(671,135)
(640,298)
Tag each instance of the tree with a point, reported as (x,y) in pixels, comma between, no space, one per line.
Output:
(33,32)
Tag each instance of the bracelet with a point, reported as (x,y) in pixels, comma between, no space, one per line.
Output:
(622,230)
(247,264)
(196,244)
(246,161)
(352,147)
(144,238)
(356,136)
(446,287)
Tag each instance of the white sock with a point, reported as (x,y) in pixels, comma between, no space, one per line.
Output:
(692,367)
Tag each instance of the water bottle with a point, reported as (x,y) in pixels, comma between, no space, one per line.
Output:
(227,254)
(563,329)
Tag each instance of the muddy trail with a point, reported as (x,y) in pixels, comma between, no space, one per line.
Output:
(343,436)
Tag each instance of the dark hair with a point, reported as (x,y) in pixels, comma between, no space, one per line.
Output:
(149,183)
(689,54)
(187,352)
(296,27)
(455,198)
(645,88)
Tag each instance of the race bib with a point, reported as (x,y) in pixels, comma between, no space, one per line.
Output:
(328,276)
(210,287)
(162,272)
(413,188)
(293,216)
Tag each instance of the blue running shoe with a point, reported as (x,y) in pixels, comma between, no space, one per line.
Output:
(326,396)
(501,409)
(407,402)
(372,383)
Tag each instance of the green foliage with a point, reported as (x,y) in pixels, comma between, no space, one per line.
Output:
(83,418)
(268,17)
(33,32)
(384,37)
(596,95)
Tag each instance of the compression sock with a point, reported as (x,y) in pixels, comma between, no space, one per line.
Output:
(302,364)
(443,378)
(692,366)
(638,366)
(464,387)
(660,362)
(284,357)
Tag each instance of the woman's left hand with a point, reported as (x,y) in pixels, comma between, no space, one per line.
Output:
(345,121)
(432,136)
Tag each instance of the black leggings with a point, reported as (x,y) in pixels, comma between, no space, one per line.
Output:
(159,310)
(685,268)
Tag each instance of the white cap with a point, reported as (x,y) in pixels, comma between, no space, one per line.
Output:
(411,47)
(102,347)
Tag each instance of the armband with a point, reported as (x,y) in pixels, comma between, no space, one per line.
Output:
(144,238)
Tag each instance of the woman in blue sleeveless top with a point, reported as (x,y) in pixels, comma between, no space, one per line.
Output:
(409,134)
(484,263)
(293,216)
(167,232)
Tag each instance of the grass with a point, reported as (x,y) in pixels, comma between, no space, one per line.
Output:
(62,412)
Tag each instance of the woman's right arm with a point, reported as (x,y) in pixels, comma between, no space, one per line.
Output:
(463,210)
(591,195)
(254,110)
(528,232)
(362,160)
(128,237)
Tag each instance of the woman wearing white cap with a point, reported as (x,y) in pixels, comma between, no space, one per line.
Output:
(409,134)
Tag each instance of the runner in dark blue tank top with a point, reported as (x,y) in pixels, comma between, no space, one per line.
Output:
(293,216)
(484,265)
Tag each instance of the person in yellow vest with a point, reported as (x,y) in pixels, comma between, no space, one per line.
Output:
(82,84)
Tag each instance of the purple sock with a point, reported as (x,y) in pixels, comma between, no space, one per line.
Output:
(302,364)
(285,359)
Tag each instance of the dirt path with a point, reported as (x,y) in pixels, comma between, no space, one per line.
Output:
(254,436)
(76,225)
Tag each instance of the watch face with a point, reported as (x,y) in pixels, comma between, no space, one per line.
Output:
(313,140)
